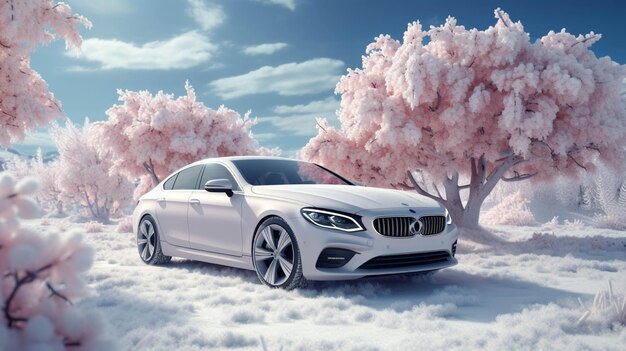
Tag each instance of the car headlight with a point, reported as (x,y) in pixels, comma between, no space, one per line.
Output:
(332,220)
(448,217)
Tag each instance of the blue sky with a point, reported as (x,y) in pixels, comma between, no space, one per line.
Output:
(278,58)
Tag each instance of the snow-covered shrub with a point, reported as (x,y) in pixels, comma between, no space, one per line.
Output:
(40,276)
(125,225)
(47,173)
(513,210)
(574,224)
(610,198)
(552,224)
(607,309)
(85,173)
(93,227)
(44,222)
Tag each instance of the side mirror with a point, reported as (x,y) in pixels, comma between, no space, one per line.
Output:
(219,186)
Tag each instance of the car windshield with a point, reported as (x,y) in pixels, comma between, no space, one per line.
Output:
(276,172)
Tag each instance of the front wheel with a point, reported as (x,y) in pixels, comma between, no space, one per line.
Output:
(148,243)
(276,255)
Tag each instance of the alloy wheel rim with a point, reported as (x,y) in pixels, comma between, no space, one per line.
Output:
(146,240)
(274,254)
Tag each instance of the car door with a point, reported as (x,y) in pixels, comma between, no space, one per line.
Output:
(173,203)
(214,218)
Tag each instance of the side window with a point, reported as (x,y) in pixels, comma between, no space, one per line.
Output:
(187,178)
(169,184)
(217,171)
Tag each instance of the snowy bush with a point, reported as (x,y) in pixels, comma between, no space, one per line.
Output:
(85,173)
(513,210)
(610,198)
(93,227)
(40,277)
(607,309)
(125,225)
(47,173)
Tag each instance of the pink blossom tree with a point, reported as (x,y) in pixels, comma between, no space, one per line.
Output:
(85,174)
(47,173)
(25,101)
(150,136)
(477,106)
(39,277)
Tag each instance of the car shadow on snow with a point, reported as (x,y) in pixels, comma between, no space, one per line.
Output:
(468,296)
(597,247)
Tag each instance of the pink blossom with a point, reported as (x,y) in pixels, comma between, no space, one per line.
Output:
(150,136)
(25,101)
(452,103)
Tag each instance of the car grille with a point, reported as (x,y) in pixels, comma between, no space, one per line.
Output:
(400,227)
(433,224)
(394,226)
(407,260)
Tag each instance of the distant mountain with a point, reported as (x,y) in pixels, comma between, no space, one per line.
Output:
(9,153)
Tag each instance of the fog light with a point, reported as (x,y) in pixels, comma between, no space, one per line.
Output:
(334,258)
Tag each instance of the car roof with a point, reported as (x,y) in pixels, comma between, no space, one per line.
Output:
(236,158)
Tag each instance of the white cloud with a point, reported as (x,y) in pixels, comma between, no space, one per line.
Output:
(183,51)
(38,139)
(329,104)
(264,49)
(300,120)
(308,77)
(207,17)
(290,4)
(300,125)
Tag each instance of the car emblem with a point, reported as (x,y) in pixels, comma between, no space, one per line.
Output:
(416,227)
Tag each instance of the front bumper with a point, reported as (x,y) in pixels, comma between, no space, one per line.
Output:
(368,244)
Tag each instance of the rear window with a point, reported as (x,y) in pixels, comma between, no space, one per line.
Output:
(187,178)
(169,184)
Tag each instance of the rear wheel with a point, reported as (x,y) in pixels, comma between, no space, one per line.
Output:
(276,255)
(148,243)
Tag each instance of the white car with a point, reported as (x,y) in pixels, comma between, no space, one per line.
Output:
(290,221)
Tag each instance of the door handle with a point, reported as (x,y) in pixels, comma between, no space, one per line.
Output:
(194,202)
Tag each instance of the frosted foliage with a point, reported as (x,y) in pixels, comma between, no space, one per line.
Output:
(49,195)
(40,275)
(451,101)
(25,101)
(85,172)
(609,196)
(513,210)
(608,309)
(150,136)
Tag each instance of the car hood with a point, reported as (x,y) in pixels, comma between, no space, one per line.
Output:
(347,198)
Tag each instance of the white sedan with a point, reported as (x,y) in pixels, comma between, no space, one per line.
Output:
(290,221)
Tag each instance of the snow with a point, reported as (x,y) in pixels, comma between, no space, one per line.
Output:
(519,294)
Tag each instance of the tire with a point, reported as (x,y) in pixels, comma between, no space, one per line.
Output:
(277,263)
(148,243)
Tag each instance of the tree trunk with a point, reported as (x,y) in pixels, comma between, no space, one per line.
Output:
(466,215)
(59,208)
(150,169)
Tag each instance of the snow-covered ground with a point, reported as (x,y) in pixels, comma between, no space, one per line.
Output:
(518,295)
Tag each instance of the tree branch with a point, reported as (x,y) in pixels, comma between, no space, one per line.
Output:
(433,109)
(498,12)
(420,190)
(569,155)
(517,177)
